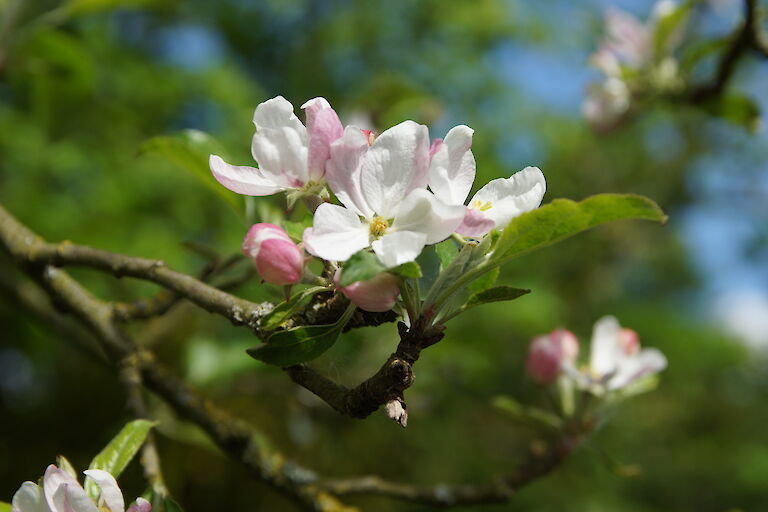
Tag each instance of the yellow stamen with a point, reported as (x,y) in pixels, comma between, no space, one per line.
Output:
(479,205)
(378,226)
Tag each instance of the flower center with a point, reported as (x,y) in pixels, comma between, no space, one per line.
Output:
(369,135)
(378,226)
(482,206)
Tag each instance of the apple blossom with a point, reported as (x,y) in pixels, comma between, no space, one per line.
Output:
(452,171)
(61,492)
(278,259)
(547,355)
(290,155)
(605,103)
(616,359)
(377,295)
(382,185)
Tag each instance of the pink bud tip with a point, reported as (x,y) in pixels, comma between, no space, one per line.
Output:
(278,259)
(369,135)
(376,295)
(547,355)
(629,341)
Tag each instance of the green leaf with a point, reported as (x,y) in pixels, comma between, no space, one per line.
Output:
(447,252)
(189,151)
(527,415)
(5,507)
(285,310)
(300,344)
(63,463)
(410,270)
(668,29)
(737,109)
(118,453)
(84,7)
(361,266)
(497,294)
(563,218)
(485,281)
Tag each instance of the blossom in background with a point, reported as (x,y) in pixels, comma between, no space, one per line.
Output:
(290,155)
(616,359)
(278,259)
(452,172)
(549,354)
(606,103)
(377,295)
(382,184)
(61,492)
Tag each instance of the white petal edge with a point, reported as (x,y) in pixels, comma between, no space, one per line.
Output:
(510,197)
(646,362)
(400,247)
(422,212)
(452,169)
(605,348)
(343,170)
(29,498)
(396,164)
(337,233)
(244,180)
(111,494)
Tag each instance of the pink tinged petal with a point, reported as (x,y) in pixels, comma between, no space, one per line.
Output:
(280,143)
(422,212)
(544,360)
(343,170)
(628,37)
(475,223)
(29,498)
(323,127)
(337,233)
(452,168)
(111,495)
(605,103)
(78,501)
(396,164)
(605,355)
(501,200)
(141,505)
(647,362)
(278,259)
(244,180)
(400,247)
(55,481)
(376,295)
(568,342)
(629,341)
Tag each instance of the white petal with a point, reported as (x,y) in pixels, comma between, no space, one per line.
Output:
(394,249)
(452,169)
(396,164)
(54,481)
(141,505)
(422,212)
(343,170)
(277,113)
(242,179)
(111,494)
(280,143)
(29,498)
(501,200)
(78,500)
(337,233)
(605,351)
(648,361)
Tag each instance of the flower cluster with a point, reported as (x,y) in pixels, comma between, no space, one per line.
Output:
(61,492)
(635,58)
(397,193)
(615,360)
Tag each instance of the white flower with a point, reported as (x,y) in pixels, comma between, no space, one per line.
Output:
(382,185)
(605,103)
(290,155)
(62,493)
(452,171)
(616,359)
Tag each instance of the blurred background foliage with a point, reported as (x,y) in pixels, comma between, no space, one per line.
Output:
(109,108)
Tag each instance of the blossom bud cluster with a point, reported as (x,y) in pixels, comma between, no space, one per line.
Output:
(397,192)
(616,359)
(633,57)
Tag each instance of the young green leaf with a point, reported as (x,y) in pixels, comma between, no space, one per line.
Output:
(5,507)
(64,464)
(563,218)
(527,415)
(669,28)
(485,281)
(118,453)
(737,109)
(410,270)
(446,251)
(497,294)
(300,344)
(286,309)
(361,266)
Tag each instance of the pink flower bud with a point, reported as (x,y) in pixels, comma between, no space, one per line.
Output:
(278,259)
(376,295)
(547,355)
(629,341)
